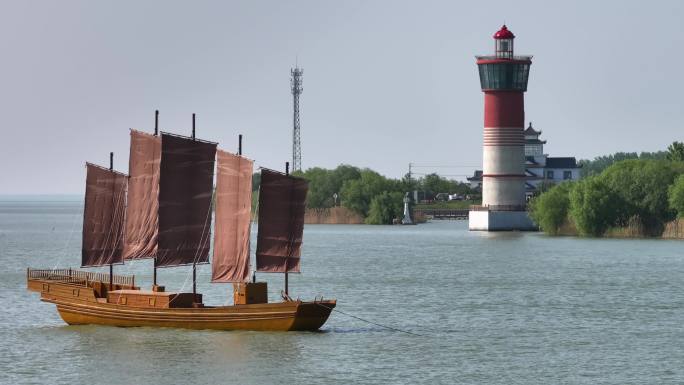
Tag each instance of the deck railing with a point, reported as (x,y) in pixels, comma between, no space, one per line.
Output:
(78,276)
(498,208)
(494,57)
(443,213)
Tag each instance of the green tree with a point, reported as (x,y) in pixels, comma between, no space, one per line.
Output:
(319,187)
(593,206)
(676,196)
(600,163)
(357,194)
(550,209)
(256,181)
(340,175)
(343,173)
(658,155)
(434,184)
(642,186)
(323,183)
(385,207)
(675,151)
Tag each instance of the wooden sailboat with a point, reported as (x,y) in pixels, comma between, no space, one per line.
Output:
(162,210)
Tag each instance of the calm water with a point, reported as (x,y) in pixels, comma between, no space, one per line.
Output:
(490,308)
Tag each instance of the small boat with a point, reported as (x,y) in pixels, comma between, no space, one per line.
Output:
(162,210)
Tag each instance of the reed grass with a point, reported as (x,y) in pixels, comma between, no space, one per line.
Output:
(333,215)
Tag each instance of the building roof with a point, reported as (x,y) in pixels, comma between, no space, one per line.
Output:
(504,33)
(567,162)
(531,131)
(477,175)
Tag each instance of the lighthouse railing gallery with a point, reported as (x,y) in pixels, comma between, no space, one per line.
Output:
(498,208)
(513,58)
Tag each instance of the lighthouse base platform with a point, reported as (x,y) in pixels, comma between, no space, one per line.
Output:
(492,220)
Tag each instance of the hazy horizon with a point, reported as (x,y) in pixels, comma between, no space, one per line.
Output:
(385,82)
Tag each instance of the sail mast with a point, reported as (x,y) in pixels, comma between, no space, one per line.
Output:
(287,173)
(171,182)
(103,217)
(232,217)
(186,183)
(154,262)
(194,262)
(282,201)
(142,209)
(111,265)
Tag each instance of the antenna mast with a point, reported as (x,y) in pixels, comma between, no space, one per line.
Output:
(296,85)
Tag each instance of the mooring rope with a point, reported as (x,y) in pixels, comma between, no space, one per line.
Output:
(370,322)
(65,248)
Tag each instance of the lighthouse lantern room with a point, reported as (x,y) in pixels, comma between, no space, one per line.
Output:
(503,40)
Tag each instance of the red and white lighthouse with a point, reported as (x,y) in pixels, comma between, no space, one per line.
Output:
(503,78)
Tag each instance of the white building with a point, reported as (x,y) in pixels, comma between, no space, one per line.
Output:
(476,181)
(542,169)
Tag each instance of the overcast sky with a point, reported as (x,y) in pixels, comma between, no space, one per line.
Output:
(385,82)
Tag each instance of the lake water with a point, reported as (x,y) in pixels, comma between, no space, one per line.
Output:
(493,308)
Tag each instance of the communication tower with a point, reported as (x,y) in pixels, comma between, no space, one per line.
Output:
(296,85)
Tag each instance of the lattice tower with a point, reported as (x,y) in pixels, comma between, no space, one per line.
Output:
(296,85)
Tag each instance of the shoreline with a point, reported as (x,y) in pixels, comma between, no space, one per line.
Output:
(673,230)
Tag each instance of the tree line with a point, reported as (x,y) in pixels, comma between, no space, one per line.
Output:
(642,192)
(377,198)
(600,163)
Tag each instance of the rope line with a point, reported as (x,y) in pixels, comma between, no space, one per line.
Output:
(65,248)
(116,236)
(206,231)
(370,322)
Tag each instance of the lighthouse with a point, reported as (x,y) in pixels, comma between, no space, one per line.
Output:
(503,79)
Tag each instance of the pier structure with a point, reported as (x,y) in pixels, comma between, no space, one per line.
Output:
(503,79)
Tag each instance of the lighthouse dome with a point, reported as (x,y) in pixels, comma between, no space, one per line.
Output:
(504,33)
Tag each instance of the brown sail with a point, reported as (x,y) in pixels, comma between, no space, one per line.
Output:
(185,192)
(142,222)
(281,222)
(103,217)
(230,262)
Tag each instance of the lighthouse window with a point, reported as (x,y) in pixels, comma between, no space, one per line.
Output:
(504,76)
(504,48)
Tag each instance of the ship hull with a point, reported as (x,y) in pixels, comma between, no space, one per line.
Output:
(82,298)
(283,316)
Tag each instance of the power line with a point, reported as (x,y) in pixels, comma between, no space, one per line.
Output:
(442,166)
(423,173)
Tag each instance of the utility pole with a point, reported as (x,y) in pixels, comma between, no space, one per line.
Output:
(415,190)
(409,174)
